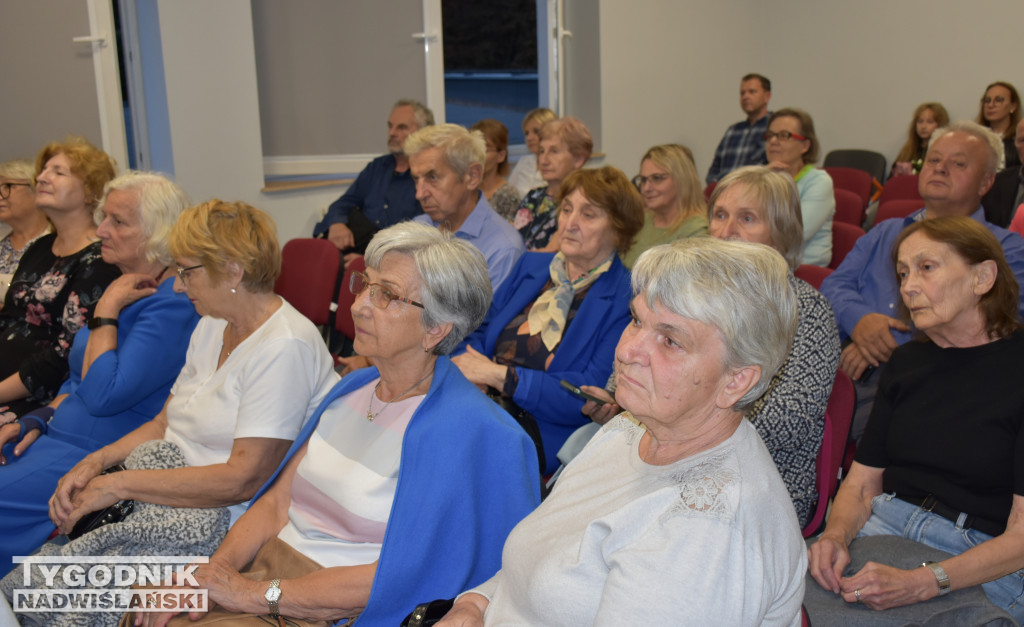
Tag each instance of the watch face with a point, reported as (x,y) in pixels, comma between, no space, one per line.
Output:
(273,594)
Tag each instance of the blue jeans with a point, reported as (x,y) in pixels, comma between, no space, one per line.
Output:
(891,516)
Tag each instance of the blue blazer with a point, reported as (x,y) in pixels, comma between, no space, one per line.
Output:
(467,476)
(584,357)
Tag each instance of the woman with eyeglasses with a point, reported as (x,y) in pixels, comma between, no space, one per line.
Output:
(558,315)
(255,369)
(792,147)
(122,364)
(406,480)
(1000,112)
(59,278)
(18,210)
(674,206)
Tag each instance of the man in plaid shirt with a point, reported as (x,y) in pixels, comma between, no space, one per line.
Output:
(743,143)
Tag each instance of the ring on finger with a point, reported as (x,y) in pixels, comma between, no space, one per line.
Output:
(856,593)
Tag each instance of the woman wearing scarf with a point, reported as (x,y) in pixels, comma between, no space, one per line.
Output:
(559,315)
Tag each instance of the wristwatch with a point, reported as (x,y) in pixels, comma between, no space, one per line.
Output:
(273,595)
(95,323)
(940,575)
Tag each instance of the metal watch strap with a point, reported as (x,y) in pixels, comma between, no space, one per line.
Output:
(940,575)
(273,605)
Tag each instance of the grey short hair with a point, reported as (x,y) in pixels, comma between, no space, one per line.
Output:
(739,288)
(779,202)
(461,148)
(19,170)
(424,116)
(160,204)
(455,286)
(996,151)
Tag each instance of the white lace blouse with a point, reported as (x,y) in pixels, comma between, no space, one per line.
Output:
(712,539)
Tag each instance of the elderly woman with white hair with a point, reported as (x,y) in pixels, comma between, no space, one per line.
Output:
(406,480)
(18,210)
(674,512)
(122,364)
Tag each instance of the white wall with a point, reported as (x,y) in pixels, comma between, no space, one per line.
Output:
(671,70)
(669,73)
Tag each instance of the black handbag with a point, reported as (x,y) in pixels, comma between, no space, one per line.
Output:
(112,514)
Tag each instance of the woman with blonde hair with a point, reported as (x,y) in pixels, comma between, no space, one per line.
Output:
(927,117)
(525,176)
(59,278)
(18,210)
(674,206)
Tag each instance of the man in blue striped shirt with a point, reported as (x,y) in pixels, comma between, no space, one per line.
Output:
(743,143)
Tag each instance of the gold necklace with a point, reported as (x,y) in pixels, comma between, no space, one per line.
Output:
(369,407)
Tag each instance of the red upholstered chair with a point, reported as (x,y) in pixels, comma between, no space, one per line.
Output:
(838,418)
(844,236)
(343,316)
(309,272)
(903,187)
(849,208)
(812,274)
(709,189)
(853,180)
(900,208)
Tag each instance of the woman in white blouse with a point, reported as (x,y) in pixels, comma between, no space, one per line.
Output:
(255,370)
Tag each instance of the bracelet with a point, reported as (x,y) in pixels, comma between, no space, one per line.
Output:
(940,575)
(95,323)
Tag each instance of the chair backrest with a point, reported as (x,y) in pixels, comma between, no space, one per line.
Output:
(844,236)
(852,179)
(868,160)
(309,272)
(709,189)
(343,316)
(903,187)
(812,274)
(849,208)
(838,418)
(900,208)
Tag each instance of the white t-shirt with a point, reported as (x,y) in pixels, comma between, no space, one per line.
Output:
(709,540)
(267,388)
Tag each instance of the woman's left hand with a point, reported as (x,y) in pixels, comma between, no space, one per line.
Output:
(480,370)
(100,492)
(9,433)
(882,587)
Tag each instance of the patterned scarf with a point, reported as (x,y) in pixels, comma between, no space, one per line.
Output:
(549,311)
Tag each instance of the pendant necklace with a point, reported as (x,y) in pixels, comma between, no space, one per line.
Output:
(370,415)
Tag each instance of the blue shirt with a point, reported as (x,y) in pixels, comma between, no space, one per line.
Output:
(866,281)
(492,235)
(742,144)
(385,197)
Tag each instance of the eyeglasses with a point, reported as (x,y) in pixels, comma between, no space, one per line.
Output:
(640,180)
(996,100)
(183,272)
(380,296)
(5,189)
(782,136)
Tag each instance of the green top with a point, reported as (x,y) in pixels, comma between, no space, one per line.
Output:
(650,235)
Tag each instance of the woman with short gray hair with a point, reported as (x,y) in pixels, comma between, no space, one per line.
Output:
(674,512)
(406,480)
(18,210)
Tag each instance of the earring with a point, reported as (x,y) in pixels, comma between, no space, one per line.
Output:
(234,291)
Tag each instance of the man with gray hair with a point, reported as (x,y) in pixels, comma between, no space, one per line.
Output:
(959,168)
(384,193)
(447,164)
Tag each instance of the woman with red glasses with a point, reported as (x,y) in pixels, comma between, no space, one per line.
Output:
(792,147)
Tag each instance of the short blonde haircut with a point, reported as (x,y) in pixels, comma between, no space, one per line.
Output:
(159,205)
(91,165)
(779,202)
(540,115)
(19,170)
(573,133)
(461,148)
(217,233)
